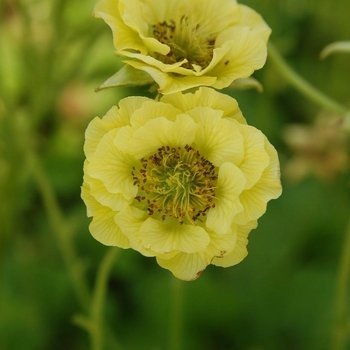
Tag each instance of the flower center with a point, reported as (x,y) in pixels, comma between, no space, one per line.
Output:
(176,182)
(186,41)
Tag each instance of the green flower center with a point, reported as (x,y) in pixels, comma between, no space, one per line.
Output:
(186,40)
(176,182)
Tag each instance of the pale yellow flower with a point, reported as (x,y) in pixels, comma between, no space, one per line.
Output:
(183,179)
(181,44)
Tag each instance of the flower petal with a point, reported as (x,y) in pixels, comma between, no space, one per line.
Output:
(240,250)
(226,14)
(132,15)
(160,132)
(268,187)
(103,228)
(256,159)
(113,167)
(206,97)
(130,221)
(151,110)
(230,184)
(171,83)
(99,127)
(219,140)
(115,201)
(186,267)
(247,52)
(166,237)
(140,61)
(123,36)
(88,199)
(222,245)
(249,17)
(155,11)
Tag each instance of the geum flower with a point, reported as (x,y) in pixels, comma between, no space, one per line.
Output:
(183,179)
(181,44)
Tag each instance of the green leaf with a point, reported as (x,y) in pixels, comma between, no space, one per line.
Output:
(337,47)
(126,76)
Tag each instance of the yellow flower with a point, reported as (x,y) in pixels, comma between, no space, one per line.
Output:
(181,44)
(183,179)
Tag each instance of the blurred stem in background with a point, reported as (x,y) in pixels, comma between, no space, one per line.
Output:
(341,328)
(176,314)
(59,226)
(94,324)
(304,87)
(99,297)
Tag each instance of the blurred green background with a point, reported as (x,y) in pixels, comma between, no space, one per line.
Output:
(52,56)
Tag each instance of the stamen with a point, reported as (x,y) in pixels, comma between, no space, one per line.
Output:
(186,41)
(176,182)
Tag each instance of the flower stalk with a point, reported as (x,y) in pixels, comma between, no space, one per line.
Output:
(176,314)
(341,309)
(98,299)
(302,85)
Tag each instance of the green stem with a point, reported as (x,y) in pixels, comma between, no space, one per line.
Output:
(341,310)
(98,299)
(302,85)
(176,314)
(61,230)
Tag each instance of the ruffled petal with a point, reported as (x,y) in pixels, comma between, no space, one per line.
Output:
(175,83)
(128,106)
(114,201)
(123,36)
(171,83)
(113,167)
(249,17)
(130,221)
(160,132)
(186,267)
(131,12)
(268,187)
(103,228)
(88,199)
(230,184)
(99,127)
(155,11)
(151,110)
(140,61)
(218,140)
(206,97)
(256,159)
(247,52)
(225,14)
(240,250)
(166,237)
(222,245)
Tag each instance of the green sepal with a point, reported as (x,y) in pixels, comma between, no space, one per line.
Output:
(126,76)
